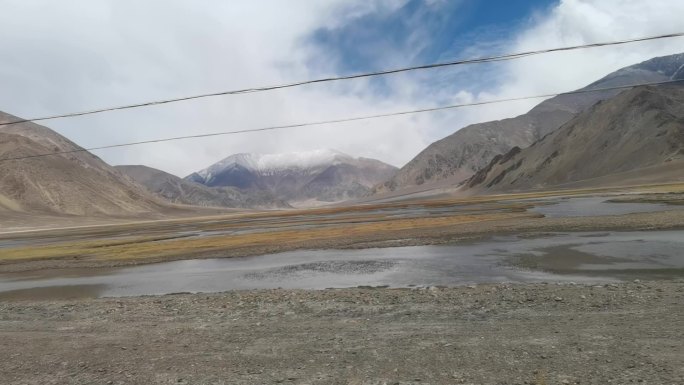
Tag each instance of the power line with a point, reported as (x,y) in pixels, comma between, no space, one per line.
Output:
(343,120)
(479,60)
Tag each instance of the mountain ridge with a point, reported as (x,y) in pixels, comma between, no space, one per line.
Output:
(642,128)
(323,175)
(461,154)
(76,183)
(180,191)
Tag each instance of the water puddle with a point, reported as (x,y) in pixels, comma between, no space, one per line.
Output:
(556,257)
(595,206)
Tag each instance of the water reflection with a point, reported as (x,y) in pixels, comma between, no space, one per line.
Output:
(579,257)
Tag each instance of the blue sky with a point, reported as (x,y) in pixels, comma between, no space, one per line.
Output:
(426,31)
(444,27)
(85,54)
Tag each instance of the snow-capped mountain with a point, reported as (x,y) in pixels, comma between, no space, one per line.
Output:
(269,164)
(322,175)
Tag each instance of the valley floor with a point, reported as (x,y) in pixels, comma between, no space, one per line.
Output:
(489,334)
(408,223)
(540,334)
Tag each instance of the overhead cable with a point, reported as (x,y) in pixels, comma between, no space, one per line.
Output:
(479,60)
(341,120)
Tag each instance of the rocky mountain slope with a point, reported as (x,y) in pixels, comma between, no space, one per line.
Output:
(639,129)
(460,155)
(76,183)
(181,191)
(321,175)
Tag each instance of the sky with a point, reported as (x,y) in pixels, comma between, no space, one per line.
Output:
(79,55)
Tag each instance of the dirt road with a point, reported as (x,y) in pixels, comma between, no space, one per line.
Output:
(497,334)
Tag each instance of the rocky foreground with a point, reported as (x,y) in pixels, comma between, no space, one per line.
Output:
(494,334)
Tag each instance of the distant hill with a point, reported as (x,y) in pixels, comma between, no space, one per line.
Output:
(321,175)
(637,136)
(181,191)
(75,184)
(458,156)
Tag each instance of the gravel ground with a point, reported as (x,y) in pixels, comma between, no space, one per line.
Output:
(489,334)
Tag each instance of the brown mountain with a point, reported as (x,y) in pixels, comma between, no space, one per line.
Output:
(177,190)
(313,176)
(636,136)
(76,183)
(458,156)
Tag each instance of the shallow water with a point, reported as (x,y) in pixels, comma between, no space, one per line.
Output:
(578,257)
(595,206)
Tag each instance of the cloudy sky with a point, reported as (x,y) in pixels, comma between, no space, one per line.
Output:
(82,54)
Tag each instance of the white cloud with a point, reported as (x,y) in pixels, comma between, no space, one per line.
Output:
(571,22)
(575,22)
(83,54)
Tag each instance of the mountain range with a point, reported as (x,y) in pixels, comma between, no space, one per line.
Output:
(460,155)
(73,183)
(180,191)
(592,139)
(637,136)
(313,176)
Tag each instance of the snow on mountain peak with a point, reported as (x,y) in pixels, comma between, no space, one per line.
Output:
(299,160)
(270,163)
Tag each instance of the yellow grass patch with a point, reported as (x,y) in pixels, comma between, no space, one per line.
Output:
(159,247)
